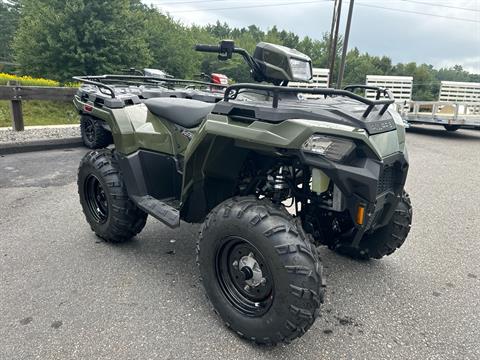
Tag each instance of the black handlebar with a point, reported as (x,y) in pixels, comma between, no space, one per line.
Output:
(225,50)
(208,48)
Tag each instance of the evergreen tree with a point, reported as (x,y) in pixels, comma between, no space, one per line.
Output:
(9,16)
(61,38)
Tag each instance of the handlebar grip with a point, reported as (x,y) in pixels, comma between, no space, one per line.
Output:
(207,48)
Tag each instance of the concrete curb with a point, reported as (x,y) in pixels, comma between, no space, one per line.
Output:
(40,145)
(36,127)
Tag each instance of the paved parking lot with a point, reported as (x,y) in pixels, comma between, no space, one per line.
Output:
(66,295)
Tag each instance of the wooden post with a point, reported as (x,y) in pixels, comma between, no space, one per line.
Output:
(16,108)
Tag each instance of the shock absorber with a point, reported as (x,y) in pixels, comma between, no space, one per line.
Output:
(279,185)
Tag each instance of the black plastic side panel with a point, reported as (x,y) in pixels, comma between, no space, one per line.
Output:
(150,173)
(214,167)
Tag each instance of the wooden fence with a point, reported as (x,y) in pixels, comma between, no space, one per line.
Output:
(17,93)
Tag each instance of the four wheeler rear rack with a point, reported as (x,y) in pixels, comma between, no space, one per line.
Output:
(232,91)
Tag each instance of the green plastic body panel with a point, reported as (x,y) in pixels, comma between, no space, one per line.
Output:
(134,127)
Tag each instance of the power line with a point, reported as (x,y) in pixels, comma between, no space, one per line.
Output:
(250,6)
(161,3)
(440,5)
(419,13)
(318,2)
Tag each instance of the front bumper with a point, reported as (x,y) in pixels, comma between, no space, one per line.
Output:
(375,185)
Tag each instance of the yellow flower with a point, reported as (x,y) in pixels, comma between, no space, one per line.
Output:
(27,80)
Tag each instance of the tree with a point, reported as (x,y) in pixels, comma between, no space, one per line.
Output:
(171,45)
(58,39)
(9,16)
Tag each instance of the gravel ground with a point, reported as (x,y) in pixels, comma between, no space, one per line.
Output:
(66,295)
(33,133)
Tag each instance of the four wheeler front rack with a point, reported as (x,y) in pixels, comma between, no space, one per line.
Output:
(232,91)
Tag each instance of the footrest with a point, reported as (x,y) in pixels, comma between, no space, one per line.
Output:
(159,210)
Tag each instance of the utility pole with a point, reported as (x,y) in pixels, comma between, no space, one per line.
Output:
(337,11)
(332,29)
(341,71)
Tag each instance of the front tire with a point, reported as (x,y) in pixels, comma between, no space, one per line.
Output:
(385,240)
(260,271)
(104,199)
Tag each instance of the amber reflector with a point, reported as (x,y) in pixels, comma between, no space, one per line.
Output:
(360,215)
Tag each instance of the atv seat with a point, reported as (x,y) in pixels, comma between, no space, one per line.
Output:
(184,112)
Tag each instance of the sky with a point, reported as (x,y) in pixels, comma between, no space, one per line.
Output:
(447,33)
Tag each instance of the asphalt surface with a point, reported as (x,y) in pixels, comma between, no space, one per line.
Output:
(66,295)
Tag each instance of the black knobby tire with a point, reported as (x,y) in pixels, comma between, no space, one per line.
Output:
(293,289)
(94,135)
(386,240)
(451,128)
(104,199)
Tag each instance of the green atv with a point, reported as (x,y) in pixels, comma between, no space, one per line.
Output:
(338,163)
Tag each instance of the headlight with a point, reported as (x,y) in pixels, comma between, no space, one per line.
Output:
(301,70)
(332,148)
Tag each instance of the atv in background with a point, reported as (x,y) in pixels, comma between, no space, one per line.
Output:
(96,132)
(214,78)
(338,162)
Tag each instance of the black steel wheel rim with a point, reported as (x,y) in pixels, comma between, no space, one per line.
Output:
(96,199)
(89,129)
(233,279)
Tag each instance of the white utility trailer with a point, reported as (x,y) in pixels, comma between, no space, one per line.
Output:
(458,104)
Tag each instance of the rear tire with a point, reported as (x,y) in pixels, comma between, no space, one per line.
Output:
(94,135)
(452,128)
(104,199)
(386,240)
(284,299)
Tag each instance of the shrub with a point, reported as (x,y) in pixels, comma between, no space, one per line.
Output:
(27,80)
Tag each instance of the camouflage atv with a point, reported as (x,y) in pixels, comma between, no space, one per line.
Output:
(268,174)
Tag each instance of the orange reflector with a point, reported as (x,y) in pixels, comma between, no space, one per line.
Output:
(360,215)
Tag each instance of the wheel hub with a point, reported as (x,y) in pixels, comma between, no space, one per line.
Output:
(245,277)
(249,266)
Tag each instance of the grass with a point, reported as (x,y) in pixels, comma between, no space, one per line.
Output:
(41,113)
